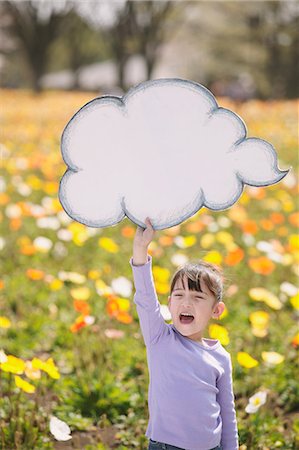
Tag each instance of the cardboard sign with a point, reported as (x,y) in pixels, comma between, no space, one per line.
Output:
(163,150)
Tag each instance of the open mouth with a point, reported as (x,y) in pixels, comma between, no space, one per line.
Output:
(186,319)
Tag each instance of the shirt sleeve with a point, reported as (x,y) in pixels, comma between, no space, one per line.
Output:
(225,398)
(151,320)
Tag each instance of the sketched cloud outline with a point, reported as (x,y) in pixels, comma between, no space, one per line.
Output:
(164,150)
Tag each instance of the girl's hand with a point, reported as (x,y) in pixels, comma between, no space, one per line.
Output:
(144,236)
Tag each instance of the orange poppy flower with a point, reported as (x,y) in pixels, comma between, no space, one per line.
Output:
(128,231)
(15,224)
(295,341)
(80,323)
(82,306)
(250,227)
(282,231)
(294,219)
(262,265)
(234,257)
(257,192)
(124,317)
(1,284)
(277,218)
(4,198)
(28,249)
(112,307)
(267,224)
(195,227)
(166,241)
(35,274)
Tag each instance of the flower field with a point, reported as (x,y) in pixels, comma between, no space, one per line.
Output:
(73,372)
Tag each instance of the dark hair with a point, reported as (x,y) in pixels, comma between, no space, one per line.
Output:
(197,271)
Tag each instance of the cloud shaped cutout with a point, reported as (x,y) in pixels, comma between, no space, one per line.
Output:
(163,150)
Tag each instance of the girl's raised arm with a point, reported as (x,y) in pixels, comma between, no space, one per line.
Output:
(142,239)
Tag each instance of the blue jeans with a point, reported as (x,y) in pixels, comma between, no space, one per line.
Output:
(155,445)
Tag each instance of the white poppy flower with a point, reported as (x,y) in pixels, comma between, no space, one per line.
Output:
(2,243)
(3,357)
(42,244)
(60,430)
(224,222)
(122,286)
(213,227)
(256,401)
(264,246)
(64,218)
(36,210)
(178,259)
(48,222)
(2,184)
(64,235)
(89,320)
(248,239)
(24,190)
(288,288)
(13,211)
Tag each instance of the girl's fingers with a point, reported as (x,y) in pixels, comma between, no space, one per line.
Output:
(147,220)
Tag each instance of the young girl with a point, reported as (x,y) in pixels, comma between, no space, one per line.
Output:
(190,396)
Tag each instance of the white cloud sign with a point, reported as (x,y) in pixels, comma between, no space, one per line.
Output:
(163,150)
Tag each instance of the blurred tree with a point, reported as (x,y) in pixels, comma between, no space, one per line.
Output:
(261,48)
(34,25)
(276,25)
(148,22)
(79,44)
(134,27)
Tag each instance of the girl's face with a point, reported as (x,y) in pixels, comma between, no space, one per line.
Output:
(201,305)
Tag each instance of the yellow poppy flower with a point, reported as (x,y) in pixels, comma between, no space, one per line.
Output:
(295,301)
(30,372)
(263,295)
(185,242)
(207,240)
(80,293)
(74,277)
(237,213)
(46,366)
(219,332)
(213,257)
(294,242)
(224,237)
(245,360)
(161,274)
(244,198)
(13,365)
(24,385)
(102,288)
(94,274)
(4,322)
(108,244)
(162,288)
(56,285)
(259,319)
(51,187)
(34,182)
(123,304)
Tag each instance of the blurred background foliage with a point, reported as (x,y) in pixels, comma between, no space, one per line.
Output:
(241,49)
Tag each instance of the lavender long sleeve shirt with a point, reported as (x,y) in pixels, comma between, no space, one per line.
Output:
(190,394)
